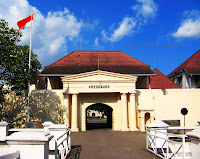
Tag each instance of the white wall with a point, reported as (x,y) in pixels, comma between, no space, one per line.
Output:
(168,107)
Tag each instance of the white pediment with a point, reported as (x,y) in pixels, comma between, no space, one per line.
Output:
(99,76)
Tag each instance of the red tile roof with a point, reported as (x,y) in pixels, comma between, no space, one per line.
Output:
(86,61)
(162,82)
(191,65)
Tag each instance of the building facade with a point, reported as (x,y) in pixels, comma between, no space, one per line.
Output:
(120,84)
(187,75)
(98,77)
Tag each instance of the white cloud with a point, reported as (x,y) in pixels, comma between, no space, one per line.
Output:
(190,27)
(96,42)
(96,45)
(191,14)
(145,8)
(105,35)
(56,44)
(91,26)
(50,34)
(125,28)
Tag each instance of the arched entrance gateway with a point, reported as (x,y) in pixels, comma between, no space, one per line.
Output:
(98,116)
(109,78)
(114,92)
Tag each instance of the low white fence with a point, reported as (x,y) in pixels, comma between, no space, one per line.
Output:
(167,145)
(63,145)
(35,143)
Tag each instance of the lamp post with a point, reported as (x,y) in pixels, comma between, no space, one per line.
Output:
(184,112)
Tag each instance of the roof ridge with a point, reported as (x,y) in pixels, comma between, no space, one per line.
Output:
(185,62)
(80,51)
(97,50)
(135,59)
(191,57)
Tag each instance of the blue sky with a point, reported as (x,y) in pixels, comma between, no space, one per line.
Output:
(160,33)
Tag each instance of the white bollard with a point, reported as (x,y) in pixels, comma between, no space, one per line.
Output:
(3,130)
(195,142)
(46,124)
(56,130)
(31,145)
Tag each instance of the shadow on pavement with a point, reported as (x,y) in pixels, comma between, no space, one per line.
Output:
(91,126)
(96,123)
(75,152)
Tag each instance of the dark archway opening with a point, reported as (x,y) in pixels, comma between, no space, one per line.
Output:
(98,116)
(147,118)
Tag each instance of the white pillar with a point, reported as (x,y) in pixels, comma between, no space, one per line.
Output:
(74,125)
(124,121)
(190,80)
(48,84)
(3,130)
(142,123)
(132,113)
(66,109)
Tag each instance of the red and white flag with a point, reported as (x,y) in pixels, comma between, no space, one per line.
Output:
(25,22)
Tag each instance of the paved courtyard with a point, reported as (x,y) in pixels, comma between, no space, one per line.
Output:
(108,144)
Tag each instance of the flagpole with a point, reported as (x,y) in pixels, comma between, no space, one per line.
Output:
(28,117)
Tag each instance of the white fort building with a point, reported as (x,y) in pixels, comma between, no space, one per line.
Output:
(122,85)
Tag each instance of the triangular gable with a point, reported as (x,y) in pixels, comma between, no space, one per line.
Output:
(99,75)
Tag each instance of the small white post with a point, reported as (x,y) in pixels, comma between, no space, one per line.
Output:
(56,149)
(155,142)
(167,144)
(69,140)
(183,140)
(3,130)
(147,139)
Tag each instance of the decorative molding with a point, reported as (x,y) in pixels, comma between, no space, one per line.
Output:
(98,72)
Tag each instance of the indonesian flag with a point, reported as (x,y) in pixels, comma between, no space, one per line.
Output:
(25,22)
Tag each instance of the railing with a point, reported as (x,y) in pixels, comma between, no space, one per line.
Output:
(166,145)
(11,155)
(63,145)
(181,130)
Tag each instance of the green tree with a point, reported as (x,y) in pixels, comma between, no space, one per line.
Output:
(14,61)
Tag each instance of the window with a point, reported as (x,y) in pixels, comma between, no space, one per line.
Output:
(180,81)
(197,81)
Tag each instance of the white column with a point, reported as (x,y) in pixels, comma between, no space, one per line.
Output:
(48,84)
(3,130)
(66,109)
(190,80)
(142,123)
(74,125)
(124,125)
(132,113)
